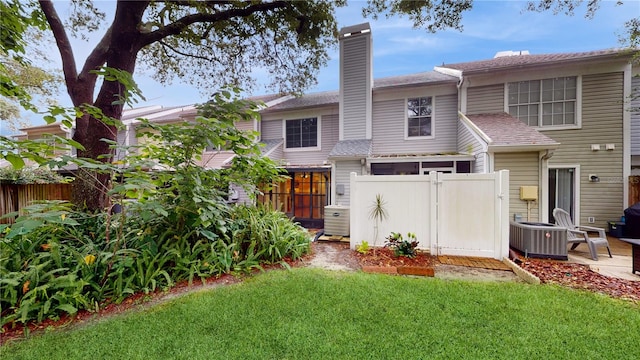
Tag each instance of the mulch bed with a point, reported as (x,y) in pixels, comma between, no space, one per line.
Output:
(579,276)
(386,258)
(576,276)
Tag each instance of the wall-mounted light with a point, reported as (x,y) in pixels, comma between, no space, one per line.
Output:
(594,178)
(595,147)
(610,146)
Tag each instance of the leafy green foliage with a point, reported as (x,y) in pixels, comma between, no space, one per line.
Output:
(400,246)
(55,260)
(40,175)
(363,247)
(174,225)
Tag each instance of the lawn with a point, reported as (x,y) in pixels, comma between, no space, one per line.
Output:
(316,314)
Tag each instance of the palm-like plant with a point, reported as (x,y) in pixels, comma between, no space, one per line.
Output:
(378,213)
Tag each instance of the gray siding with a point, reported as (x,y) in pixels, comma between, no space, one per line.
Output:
(635,116)
(523,171)
(389,128)
(244,125)
(469,144)
(355,87)
(485,99)
(329,138)
(277,154)
(602,112)
(343,177)
(271,129)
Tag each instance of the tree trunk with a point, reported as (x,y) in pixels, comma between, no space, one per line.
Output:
(91,188)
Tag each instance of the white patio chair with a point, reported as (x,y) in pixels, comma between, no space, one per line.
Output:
(580,234)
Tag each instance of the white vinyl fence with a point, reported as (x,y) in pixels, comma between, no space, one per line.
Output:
(451,214)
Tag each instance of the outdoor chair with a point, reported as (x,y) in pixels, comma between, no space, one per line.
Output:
(580,234)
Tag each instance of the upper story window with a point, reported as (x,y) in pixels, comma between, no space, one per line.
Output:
(419,118)
(548,102)
(301,133)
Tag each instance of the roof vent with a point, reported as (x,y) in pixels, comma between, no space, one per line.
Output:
(511,53)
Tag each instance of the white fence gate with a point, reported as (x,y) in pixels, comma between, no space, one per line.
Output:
(451,214)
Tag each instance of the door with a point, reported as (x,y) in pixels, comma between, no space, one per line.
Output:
(303,196)
(310,190)
(562,191)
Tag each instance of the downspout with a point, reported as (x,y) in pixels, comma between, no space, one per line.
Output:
(462,94)
(543,204)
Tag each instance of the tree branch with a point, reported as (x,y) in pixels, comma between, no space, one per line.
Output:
(97,58)
(164,44)
(178,26)
(62,41)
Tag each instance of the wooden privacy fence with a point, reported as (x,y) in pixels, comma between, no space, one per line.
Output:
(14,197)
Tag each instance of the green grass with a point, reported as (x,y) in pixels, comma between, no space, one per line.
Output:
(315,314)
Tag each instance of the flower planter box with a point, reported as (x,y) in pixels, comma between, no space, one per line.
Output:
(380,269)
(416,271)
(402,270)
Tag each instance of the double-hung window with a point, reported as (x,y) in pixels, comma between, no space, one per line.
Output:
(545,103)
(301,133)
(419,117)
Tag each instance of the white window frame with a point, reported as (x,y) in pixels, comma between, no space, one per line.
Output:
(406,118)
(578,107)
(302,149)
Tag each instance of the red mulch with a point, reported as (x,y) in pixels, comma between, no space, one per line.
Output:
(576,276)
(386,257)
(579,276)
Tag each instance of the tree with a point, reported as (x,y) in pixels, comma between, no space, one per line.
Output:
(33,80)
(212,43)
(18,78)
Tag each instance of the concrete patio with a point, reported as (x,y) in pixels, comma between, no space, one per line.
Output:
(619,266)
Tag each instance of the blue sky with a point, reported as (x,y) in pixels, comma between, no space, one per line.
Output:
(491,26)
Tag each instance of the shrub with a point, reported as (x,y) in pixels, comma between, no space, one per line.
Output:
(400,246)
(55,260)
(40,175)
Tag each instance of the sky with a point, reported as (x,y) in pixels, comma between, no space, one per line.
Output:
(399,49)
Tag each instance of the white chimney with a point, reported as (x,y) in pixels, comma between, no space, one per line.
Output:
(356,81)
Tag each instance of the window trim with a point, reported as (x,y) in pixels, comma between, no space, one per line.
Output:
(539,127)
(318,147)
(406,118)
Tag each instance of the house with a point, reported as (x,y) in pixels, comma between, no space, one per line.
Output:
(579,101)
(560,123)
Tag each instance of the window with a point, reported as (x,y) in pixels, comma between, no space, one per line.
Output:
(548,102)
(396,168)
(301,133)
(419,117)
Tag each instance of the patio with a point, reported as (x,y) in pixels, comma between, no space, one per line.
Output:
(618,266)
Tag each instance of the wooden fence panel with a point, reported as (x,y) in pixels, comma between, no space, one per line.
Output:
(14,197)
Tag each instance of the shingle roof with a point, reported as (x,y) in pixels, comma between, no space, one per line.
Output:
(352,148)
(269,145)
(505,130)
(429,77)
(333,97)
(308,100)
(521,61)
(216,160)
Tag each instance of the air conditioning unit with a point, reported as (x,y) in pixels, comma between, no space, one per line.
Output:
(336,220)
